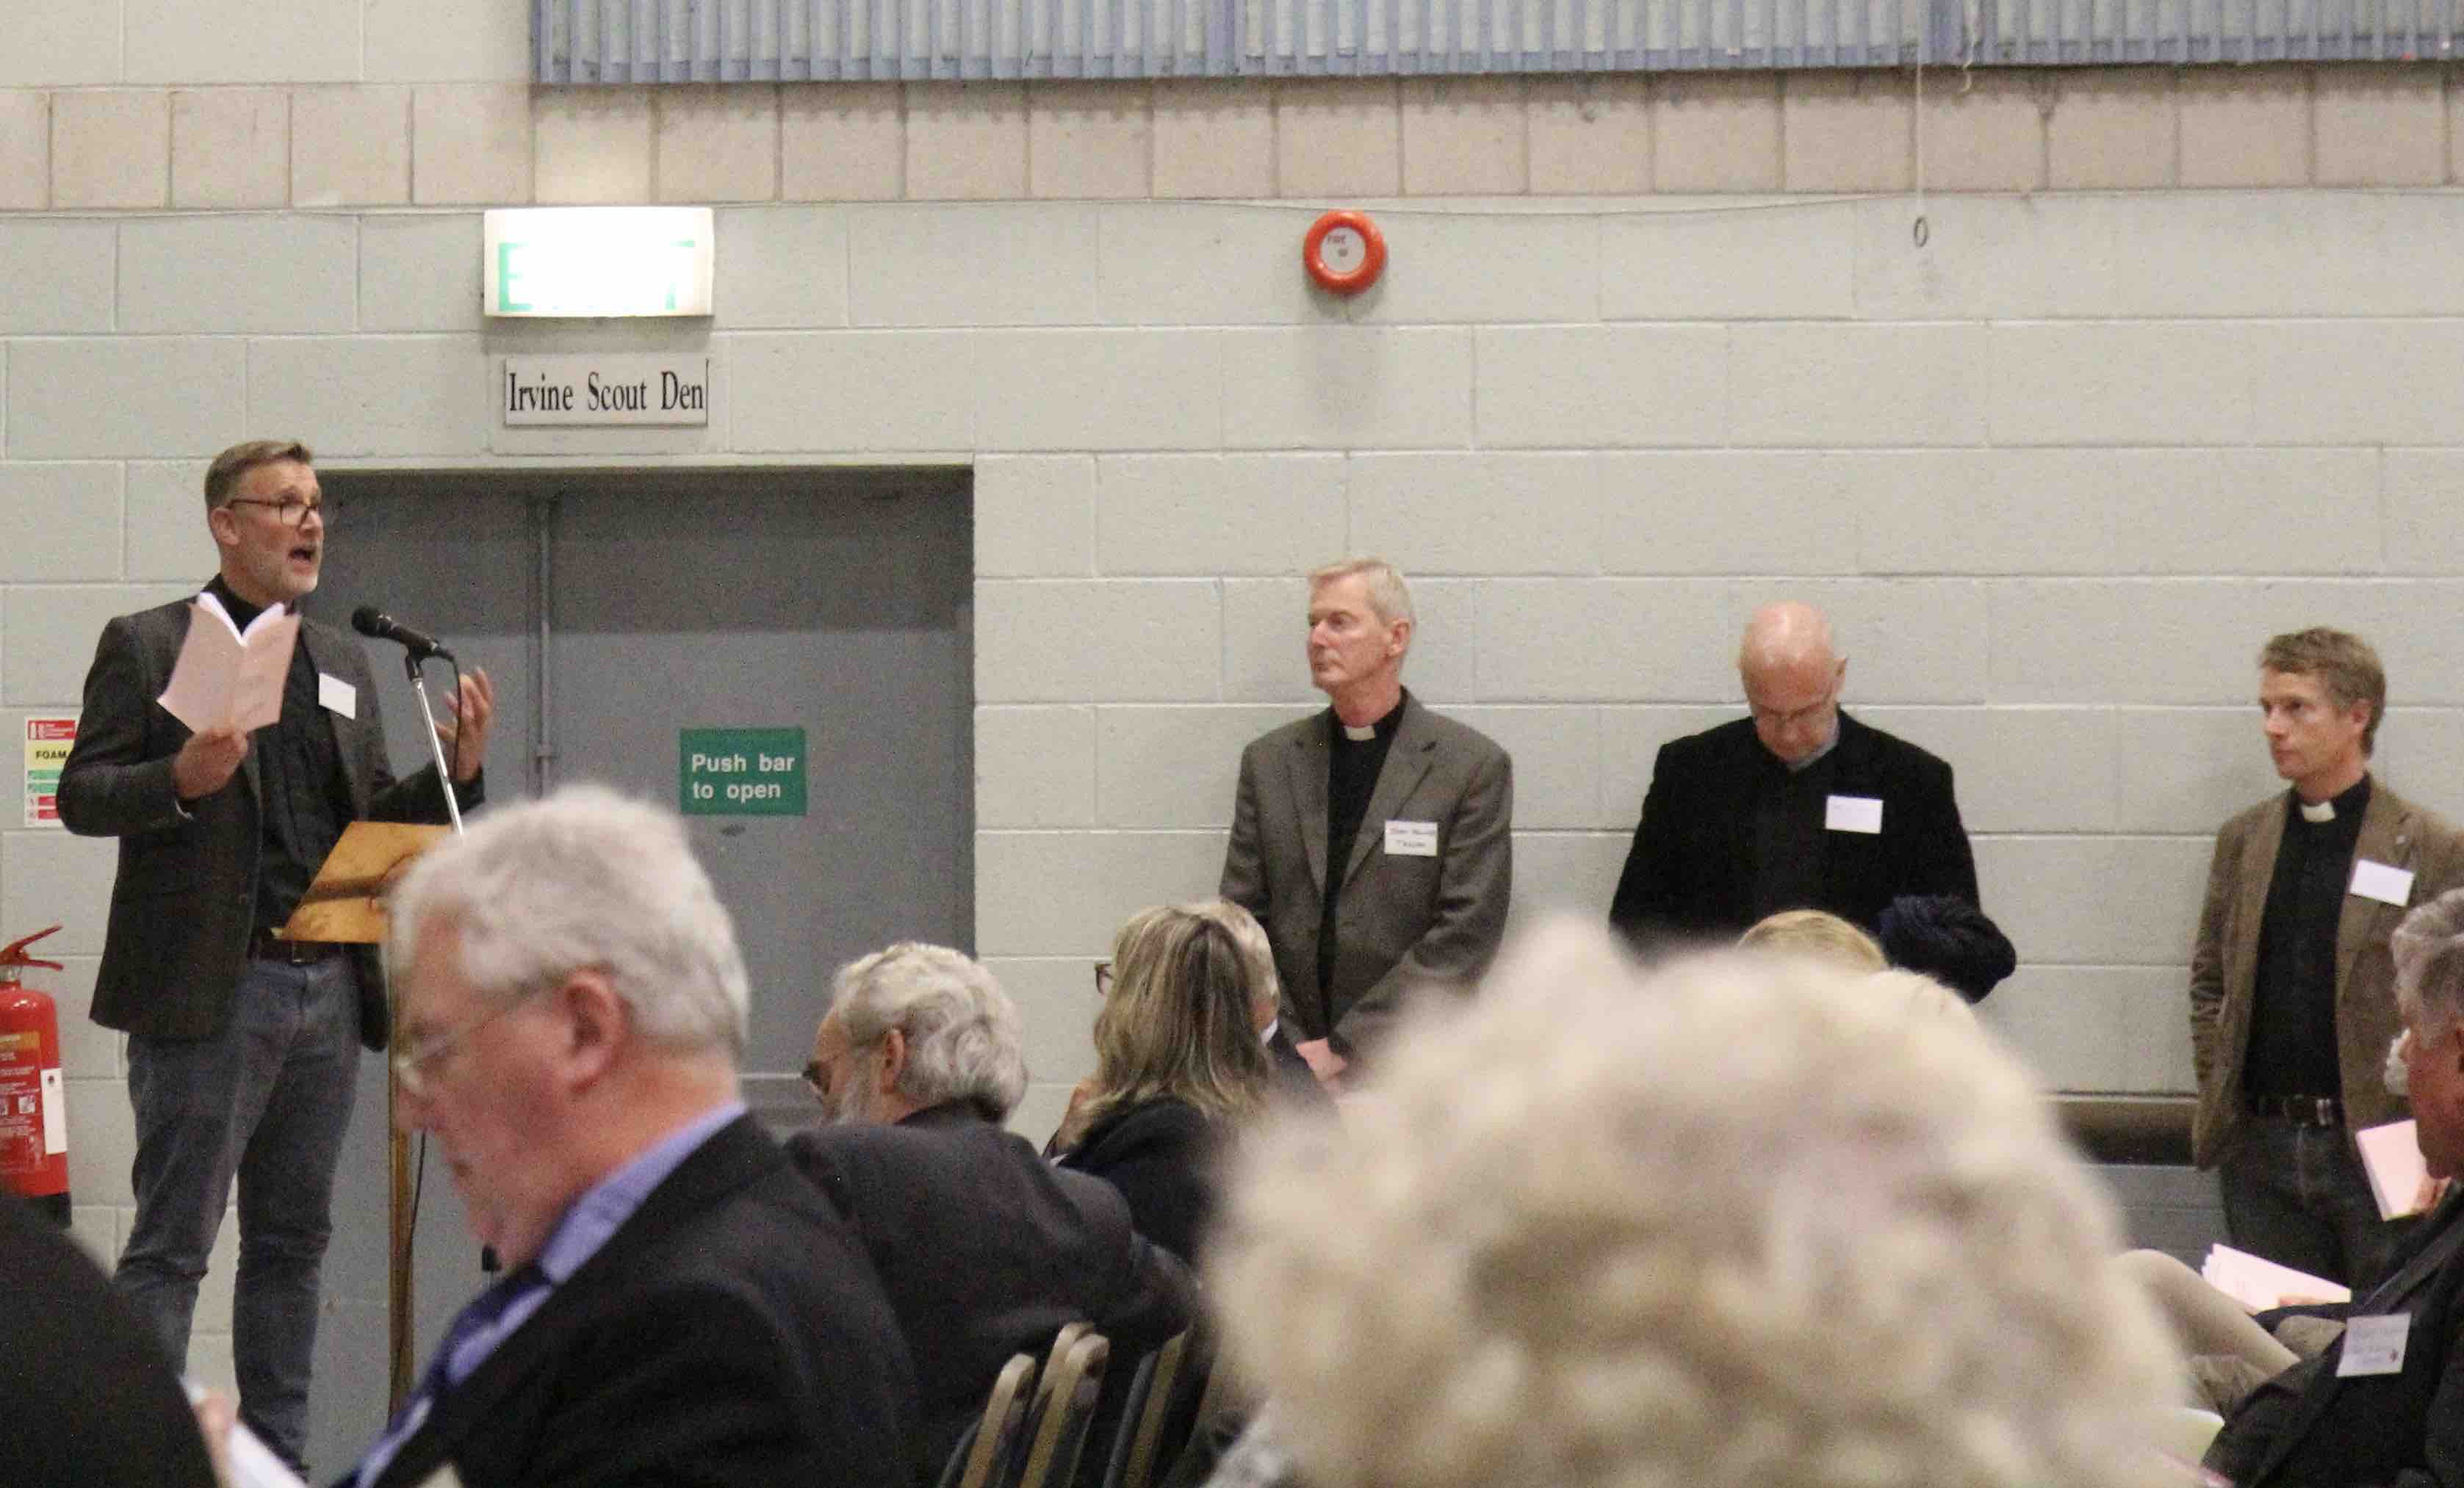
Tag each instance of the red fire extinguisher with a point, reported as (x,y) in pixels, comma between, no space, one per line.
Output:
(33,1105)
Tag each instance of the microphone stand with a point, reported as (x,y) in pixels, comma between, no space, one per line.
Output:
(412,662)
(400,1322)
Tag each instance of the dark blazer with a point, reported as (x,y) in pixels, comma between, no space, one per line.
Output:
(986,1250)
(1405,921)
(2306,1426)
(85,1395)
(1161,1155)
(1690,872)
(2224,958)
(731,1332)
(185,894)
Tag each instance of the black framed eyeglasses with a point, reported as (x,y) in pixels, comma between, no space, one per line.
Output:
(1103,978)
(290,510)
(817,1080)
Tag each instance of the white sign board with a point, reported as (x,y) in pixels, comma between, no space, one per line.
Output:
(603,389)
(594,261)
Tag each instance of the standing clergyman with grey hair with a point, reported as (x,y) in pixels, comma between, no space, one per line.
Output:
(985,1248)
(1373,841)
(678,1304)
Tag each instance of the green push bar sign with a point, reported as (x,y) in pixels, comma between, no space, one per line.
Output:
(740,772)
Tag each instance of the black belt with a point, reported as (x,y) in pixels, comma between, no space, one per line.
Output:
(2303,1111)
(264,946)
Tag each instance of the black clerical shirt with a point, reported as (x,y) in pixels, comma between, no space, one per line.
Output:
(1790,807)
(1351,778)
(306,800)
(2293,1046)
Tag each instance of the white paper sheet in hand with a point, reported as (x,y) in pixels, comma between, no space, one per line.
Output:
(226,677)
(2259,1283)
(2391,1156)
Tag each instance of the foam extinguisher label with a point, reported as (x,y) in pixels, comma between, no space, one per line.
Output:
(56,1115)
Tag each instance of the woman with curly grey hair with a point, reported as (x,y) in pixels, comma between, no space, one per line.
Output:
(1738,1223)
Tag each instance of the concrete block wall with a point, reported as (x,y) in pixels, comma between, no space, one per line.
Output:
(1650,353)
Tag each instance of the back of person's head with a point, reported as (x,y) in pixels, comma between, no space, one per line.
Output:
(587,878)
(1817,935)
(2429,949)
(962,1032)
(1731,1224)
(1178,1019)
(1265,987)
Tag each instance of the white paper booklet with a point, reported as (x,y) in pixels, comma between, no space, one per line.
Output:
(2398,1175)
(253,1463)
(2258,1283)
(226,677)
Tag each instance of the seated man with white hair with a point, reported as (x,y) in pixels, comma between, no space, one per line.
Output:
(1731,1224)
(2385,1403)
(680,1306)
(985,1248)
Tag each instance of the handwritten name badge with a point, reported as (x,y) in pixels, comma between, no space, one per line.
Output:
(1853,814)
(1412,839)
(338,696)
(2374,1346)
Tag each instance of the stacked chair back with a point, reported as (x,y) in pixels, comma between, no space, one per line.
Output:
(1058,1436)
(984,1456)
(1143,1416)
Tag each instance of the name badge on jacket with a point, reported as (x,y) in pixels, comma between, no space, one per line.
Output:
(2382,882)
(337,695)
(2374,1346)
(1853,814)
(1412,839)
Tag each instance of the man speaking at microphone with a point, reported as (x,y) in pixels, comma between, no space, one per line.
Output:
(241,1063)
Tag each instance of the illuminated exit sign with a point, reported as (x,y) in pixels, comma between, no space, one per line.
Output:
(578,261)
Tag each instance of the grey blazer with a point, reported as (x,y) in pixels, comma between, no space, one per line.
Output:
(1405,921)
(186,892)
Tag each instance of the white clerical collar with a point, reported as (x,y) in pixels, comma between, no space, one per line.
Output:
(2323,811)
(1359,734)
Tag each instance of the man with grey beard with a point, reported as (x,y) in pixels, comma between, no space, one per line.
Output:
(985,1248)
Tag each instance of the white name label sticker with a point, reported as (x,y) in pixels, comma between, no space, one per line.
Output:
(341,696)
(2374,1344)
(1853,814)
(1412,839)
(2382,882)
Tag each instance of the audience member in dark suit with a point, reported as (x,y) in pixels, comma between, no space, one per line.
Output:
(680,1304)
(85,1398)
(1799,806)
(1178,1066)
(2400,1420)
(985,1248)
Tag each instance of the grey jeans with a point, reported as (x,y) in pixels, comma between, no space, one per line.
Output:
(2298,1196)
(265,1101)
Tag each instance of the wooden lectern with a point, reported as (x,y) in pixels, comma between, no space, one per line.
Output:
(345,903)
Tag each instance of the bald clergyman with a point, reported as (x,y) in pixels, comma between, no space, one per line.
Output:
(1798,806)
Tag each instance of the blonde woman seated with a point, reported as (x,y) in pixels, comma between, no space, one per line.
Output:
(1178,1066)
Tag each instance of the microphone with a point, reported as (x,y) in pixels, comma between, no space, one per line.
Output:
(369,621)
